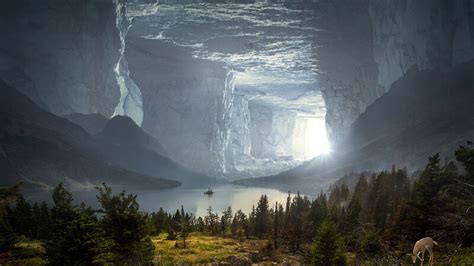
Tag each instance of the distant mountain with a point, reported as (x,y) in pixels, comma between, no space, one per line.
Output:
(127,145)
(424,112)
(42,150)
(92,123)
(122,130)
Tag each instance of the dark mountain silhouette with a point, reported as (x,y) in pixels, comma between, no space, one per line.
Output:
(92,123)
(125,144)
(42,150)
(122,131)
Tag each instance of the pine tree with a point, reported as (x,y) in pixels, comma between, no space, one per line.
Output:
(262,217)
(21,218)
(63,214)
(327,248)
(185,226)
(160,221)
(212,221)
(252,223)
(8,196)
(318,212)
(126,226)
(83,241)
(226,221)
(240,225)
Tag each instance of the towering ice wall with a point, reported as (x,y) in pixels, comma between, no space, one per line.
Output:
(271,130)
(240,142)
(187,102)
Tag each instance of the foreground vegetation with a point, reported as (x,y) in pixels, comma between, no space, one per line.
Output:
(376,221)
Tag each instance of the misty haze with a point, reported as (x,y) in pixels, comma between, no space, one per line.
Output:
(240,132)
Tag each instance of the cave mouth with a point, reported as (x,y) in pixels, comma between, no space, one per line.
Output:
(278,113)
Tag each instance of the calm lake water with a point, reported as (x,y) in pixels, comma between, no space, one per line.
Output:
(193,200)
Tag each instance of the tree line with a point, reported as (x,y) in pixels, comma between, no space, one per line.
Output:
(384,213)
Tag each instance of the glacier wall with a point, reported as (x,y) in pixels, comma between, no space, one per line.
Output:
(187,102)
(271,130)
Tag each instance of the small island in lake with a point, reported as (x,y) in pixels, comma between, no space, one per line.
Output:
(209,192)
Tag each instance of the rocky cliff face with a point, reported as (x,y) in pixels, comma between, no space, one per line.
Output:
(187,102)
(62,53)
(429,33)
(368,45)
(348,73)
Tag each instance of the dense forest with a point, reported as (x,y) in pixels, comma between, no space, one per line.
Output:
(378,219)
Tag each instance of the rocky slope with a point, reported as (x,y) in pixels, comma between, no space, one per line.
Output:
(42,150)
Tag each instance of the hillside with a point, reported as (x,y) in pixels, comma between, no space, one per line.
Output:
(42,150)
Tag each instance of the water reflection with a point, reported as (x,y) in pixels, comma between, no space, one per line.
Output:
(193,200)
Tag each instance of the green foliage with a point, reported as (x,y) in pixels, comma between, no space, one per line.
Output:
(318,212)
(126,226)
(211,221)
(226,221)
(21,218)
(383,215)
(171,235)
(370,242)
(466,258)
(7,235)
(77,236)
(327,247)
(160,221)
(240,223)
(262,217)
(298,222)
(184,226)
(465,155)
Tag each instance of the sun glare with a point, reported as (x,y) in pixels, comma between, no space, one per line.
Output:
(310,139)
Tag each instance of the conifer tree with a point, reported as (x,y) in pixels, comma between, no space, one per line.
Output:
(126,226)
(21,218)
(327,248)
(226,221)
(262,217)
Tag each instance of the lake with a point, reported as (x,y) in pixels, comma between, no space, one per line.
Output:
(193,200)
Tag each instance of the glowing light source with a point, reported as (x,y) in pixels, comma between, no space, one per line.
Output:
(310,138)
(316,138)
